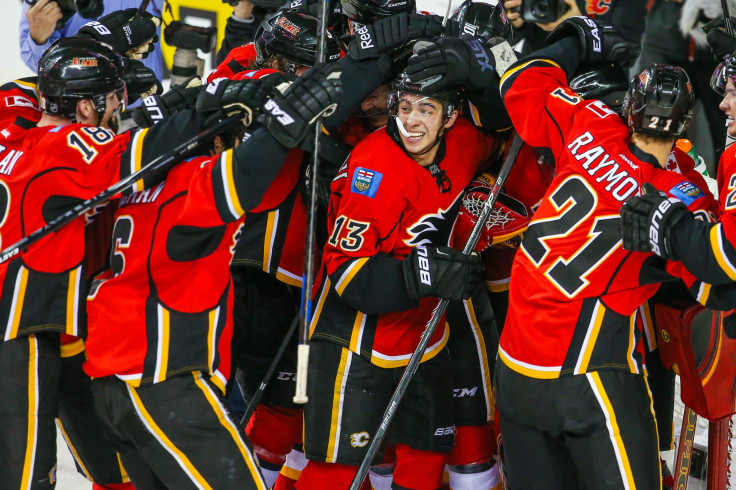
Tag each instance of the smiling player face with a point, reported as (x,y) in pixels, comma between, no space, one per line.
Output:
(422,118)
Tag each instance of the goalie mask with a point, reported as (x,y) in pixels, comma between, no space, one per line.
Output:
(291,37)
(73,69)
(659,101)
(508,219)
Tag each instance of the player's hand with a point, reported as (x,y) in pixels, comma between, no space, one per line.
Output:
(720,42)
(243,10)
(225,97)
(598,42)
(441,272)
(646,222)
(452,61)
(392,35)
(572,10)
(128,34)
(140,80)
(158,107)
(290,114)
(42,18)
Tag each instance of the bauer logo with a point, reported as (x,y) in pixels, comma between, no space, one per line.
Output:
(359,439)
(686,192)
(366,182)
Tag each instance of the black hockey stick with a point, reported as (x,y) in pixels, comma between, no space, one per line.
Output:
(305,311)
(164,160)
(726,18)
(411,368)
(267,377)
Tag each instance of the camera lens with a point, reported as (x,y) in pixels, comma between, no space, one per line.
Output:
(541,9)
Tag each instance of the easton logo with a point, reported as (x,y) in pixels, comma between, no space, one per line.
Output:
(273,108)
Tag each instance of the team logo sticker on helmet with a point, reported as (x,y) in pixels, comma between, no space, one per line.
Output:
(686,191)
(359,439)
(366,182)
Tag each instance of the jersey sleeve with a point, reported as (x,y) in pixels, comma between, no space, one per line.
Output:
(540,84)
(362,225)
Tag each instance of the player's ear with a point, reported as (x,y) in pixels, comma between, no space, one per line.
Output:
(451,120)
(86,112)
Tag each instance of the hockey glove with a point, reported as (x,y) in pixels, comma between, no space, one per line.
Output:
(646,222)
(289,115)
(720,42)
(392,35)
(441,272)
(128,34)
(140,81)
(225,97)
(598,42)
(157,107)
(453,61)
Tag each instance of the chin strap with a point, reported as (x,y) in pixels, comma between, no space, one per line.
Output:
(395,126)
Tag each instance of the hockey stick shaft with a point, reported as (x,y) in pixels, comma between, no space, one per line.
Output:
(685,448)
(727,18)
(142,8)
(80,209)
(269,373)
(411,368)
(305,312)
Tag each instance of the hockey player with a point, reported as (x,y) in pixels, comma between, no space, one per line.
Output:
(570,390)
(160,370)
(391,211)
(61,163)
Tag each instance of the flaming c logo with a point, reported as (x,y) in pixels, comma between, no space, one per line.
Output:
(597,7)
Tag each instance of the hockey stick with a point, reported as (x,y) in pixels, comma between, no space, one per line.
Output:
(685,448)
(411,368)
(267,377)
(726,18)
(305,311)
(164,160)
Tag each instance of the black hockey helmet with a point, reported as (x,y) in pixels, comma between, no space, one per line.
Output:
(451,97)
(292,36)
(725,71)
(659,101)
(73,69)
(369,11)
(483,20)
(602,81)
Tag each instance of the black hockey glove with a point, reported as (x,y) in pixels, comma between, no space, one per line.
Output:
(720,42)
(157,107)
(646,222)
(129,35)
(451,61)
(598,42)
(140,81)
(441,272)
(225,97)
(392,35)
(289,115)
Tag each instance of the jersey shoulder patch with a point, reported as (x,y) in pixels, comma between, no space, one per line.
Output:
(365,181)
(686,191)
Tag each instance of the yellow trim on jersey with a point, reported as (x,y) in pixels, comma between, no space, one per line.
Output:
(290,473)
(651,410)
(336,414)
(137,156)
(19,296)
(349,274)
(71,349)
(703,293)
(528,370)
(648,324)
(632,344)
(614,432)
(507,236)
(164,440)
(713,366)
(164,332)
(232,193)
(123,471)
(31,429)
(219,383)
(475,115)
(212,318)
(288,279)
(380,360)
(71,301)
(481,346)
(591,338)
(73,449)
(318,310)
(227,423)
(357,332)
(522,66)
(716,242)
(273,217)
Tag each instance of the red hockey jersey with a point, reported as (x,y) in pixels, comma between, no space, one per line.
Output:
(383,204)
(574,290)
